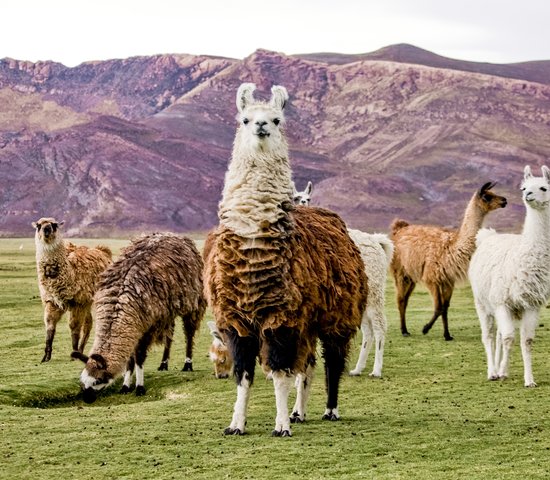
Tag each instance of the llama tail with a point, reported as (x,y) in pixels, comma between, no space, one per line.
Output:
(483,233)
(105,250)
(397,225)
(385,243)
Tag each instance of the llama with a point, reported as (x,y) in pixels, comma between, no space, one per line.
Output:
(376,251)
(304,197)
(278,277)
(438,257)
(510,278)
(219,353)
(156,278)
(67,279)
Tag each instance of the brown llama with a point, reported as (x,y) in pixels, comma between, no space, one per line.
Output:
(438,257)
(278,277)
(156,278)
(67,279)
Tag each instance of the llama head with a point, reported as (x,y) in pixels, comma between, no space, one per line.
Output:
(303,197)
(536,190)
(488,200)
(94,377)
(47,231)
(219,353)
(261,122)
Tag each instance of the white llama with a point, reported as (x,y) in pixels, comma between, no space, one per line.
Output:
(510,278)
(376,251)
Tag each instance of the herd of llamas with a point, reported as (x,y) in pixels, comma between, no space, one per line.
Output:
(281,276)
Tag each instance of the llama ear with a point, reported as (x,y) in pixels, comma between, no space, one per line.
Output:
(215,332)
(244,95)
(79,356)
(34,225)
(527,172)
(309,188)
(100,360)
(486,187)
(294,191)
(546,173)
(279,96)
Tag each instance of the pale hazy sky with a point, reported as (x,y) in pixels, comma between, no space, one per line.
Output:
(75,31)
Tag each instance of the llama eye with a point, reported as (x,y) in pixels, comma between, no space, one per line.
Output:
(523,189)
(245,120)
(276,121)
(543,189)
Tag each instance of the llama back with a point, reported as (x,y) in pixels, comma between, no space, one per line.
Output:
(277,278)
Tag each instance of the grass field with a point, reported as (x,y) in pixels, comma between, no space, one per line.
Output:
(432,415)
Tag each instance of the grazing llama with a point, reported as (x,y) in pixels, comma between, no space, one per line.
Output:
(438,257)
(155,279)
(376,251)
(279,278)
(219,353)
(67,279)
(510,278)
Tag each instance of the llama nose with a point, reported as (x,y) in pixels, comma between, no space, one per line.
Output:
(261,124)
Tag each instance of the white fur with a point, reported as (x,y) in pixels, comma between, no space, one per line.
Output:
(376,251)
(241,405)
(140,381)
(303,387)
(258,180)
(282,383)
(510,278)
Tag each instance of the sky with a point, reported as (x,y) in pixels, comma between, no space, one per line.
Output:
(75,31)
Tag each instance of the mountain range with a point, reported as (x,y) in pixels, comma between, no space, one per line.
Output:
(118,147)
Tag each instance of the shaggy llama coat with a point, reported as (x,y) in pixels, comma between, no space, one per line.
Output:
(155,279)
(67,279)
(437,257)
(279,278)
(510,278)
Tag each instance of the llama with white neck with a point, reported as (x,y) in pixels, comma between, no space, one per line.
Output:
(279,278)
(510,278)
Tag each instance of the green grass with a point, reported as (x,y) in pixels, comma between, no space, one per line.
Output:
(432,415)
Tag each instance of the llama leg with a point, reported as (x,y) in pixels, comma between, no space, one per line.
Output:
(404,287)
(244,351)
(85,329)
(303,387)
(505,326)
(127,382)
(366,344)
(488,334)
(168,337)
(141,355)
(335,352)
(282,382)
(52,314)
(282,346)
(379,341)
(527,336)
(77,317)
(190,324)
(438,307)
(446,297)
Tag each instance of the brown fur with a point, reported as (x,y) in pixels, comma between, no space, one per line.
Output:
(310,279)
(67,277)
(437,257)
(156,278)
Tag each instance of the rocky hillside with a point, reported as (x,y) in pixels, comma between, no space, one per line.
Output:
(142,144)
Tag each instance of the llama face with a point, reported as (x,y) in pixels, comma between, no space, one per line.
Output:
(219,353)
(261,123)
(46,230)
(94,377)
(303,198)
(489,200)
(536,190)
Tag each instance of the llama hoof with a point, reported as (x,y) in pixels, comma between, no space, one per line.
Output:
(426,329)
(492,378)
(125,389)
(281,433)
(449,338)
(233,431)
(375,375)
(187,367)
(46,358)
(140,391)
(332,417)
(295,417)
(406,334)
(354,373)
(163,366)
(530,385)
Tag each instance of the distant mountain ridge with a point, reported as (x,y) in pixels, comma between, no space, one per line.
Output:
(140,144)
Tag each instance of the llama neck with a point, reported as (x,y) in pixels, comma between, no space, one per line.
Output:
(536,229)
(51,252)
(471,223)
(257,192)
